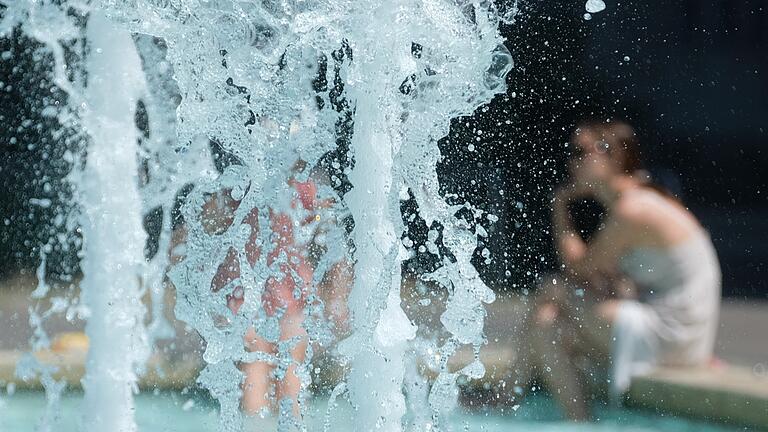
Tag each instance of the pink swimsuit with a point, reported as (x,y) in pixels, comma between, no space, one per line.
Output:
(279,294)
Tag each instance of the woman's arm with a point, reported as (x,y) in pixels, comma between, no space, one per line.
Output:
(601,255)
(569,245)
(597,260)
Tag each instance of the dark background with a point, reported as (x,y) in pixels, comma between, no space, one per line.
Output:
(688,74)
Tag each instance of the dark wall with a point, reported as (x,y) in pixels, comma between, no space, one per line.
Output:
(36,154)
(690,75)
(697,88)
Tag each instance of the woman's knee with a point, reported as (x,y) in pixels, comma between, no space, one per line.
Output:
(545,315)
(550,301)
(607,311)
(551,288)
(545,330)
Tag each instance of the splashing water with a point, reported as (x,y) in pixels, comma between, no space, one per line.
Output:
(255,85)
(114,237)
(595,6)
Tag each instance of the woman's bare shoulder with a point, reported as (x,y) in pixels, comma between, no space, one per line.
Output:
(655,215)
(638,205)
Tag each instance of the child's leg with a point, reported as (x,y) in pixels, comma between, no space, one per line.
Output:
(258,376)
(290,385)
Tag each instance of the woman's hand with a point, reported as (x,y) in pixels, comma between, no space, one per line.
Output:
(569,244)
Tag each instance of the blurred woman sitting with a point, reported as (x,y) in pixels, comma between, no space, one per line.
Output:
(643,291)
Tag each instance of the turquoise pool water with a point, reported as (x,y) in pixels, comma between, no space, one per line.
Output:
(176,412)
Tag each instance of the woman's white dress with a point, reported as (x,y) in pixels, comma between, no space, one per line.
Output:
(674,320)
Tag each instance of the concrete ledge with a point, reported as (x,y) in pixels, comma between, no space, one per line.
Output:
(70,367)
(727,395)
(730,394)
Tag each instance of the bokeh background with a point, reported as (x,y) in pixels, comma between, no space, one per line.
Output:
(690,75)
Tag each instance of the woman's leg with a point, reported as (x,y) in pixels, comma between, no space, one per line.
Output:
(539,308)
(258,376)
(553,353)
(562,329)
(594,326)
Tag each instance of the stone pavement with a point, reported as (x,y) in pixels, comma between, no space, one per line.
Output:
(736,390)
(742,338)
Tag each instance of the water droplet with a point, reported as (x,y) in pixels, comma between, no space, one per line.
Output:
(594,6)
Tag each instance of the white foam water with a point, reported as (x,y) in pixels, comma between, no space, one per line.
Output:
(113,235)
(269,83)
(595,6)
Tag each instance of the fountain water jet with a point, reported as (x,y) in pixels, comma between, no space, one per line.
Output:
(247,85)
(381,328)
(112,230)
